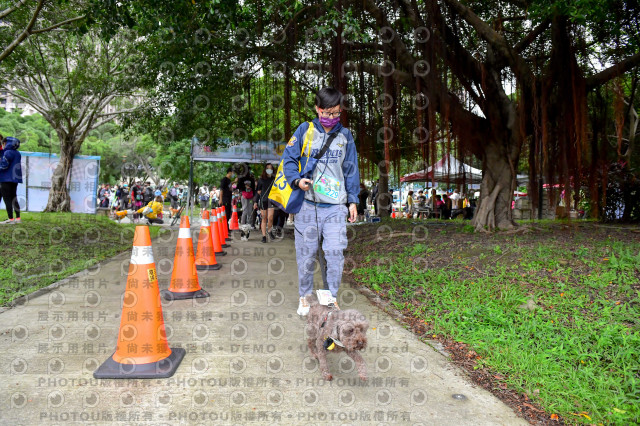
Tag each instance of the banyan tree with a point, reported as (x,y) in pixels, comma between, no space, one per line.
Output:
(489,79)
(513,84)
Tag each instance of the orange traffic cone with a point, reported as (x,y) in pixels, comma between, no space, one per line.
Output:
(206,257)
(142,350)
(218,215)
(225,222)
(393,212)
(215,234)
(184,278)
(234,219)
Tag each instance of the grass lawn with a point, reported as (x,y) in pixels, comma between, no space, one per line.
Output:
(47,247)
(553,314)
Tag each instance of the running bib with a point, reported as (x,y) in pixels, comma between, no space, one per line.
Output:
(327,186)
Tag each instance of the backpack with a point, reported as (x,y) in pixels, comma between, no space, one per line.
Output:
(281,193)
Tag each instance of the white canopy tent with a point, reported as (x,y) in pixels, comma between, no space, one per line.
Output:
(453,170)
(448,168)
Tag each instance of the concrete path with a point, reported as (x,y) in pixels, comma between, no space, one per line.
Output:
(247,359)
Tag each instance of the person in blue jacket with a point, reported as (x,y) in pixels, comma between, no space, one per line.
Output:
(328,187)
(1,151)
(10,177)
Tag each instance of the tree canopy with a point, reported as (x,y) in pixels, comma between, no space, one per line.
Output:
(22,19)
(489,80)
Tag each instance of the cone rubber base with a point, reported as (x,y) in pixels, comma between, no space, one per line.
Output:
(208,267)
(172,295)
(162,369)
(221,253)
(225,246)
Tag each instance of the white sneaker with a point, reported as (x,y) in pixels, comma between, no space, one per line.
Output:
(7,221)
(17,220)
(303,307)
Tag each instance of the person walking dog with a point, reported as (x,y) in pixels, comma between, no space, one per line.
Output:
(328,185)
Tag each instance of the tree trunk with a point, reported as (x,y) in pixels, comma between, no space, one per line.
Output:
(496,192)
(384,200)
(59,199)
(628,197)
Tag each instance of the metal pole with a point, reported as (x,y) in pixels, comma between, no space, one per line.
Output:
(190,188)
(540,183)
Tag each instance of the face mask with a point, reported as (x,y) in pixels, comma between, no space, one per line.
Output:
(269,172)
(329,122)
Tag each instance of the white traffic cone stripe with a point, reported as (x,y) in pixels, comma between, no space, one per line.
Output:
(184,233)
(142,255)
(205,222)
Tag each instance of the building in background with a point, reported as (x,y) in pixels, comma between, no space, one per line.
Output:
(10,103)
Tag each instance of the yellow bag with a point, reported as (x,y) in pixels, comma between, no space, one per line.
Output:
(281,192)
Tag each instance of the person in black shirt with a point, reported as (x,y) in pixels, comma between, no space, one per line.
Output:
(225,192)
(147,193)
(244,176)
(137,198)
(263,203)
(362,198)
(122,194)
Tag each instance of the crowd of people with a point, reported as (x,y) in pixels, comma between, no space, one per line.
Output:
(122,197)
(140,199)
(446,206)
(239,188)
(420,205)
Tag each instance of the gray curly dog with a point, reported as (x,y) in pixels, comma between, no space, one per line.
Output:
(336,330)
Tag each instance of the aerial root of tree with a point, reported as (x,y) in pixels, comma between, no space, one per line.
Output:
(519,230)
(58,202)
(485,213)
